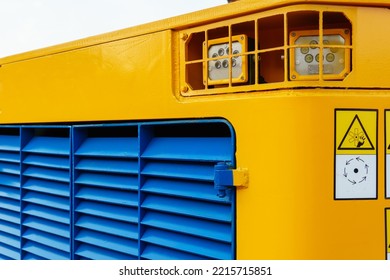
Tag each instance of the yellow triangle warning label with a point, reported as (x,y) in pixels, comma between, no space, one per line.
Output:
(356,137)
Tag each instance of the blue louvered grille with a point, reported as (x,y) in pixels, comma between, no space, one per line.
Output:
(182,216)
(106,193)
(9,193)
(115,191)
(46,193)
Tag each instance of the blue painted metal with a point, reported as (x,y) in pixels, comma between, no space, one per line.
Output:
(9,193)
(223,179)
(117,191)
(106,192)
(46,192)
(181,215)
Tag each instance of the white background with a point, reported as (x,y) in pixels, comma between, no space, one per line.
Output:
(281,270)
(31,24)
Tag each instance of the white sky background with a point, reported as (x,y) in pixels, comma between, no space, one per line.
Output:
(31,24)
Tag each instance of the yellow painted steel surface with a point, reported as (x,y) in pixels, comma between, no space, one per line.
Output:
(285,137)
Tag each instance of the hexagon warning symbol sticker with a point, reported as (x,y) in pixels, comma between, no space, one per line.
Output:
(355,154)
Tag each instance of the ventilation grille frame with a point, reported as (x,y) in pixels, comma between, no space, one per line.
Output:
(133,191)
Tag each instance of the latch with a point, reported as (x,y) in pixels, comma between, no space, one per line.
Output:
(225,178)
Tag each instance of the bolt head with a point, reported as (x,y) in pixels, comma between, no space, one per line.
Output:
(184,89)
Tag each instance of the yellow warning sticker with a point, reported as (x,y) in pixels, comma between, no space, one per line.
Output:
(356,132)
(356,154)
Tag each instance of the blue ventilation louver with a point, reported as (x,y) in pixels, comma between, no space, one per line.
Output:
(117,191)
(9,193)
(46,193)
(181,213)
(106,193)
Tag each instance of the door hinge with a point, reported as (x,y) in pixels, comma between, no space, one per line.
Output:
(225,178)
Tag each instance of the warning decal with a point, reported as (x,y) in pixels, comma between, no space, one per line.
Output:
(355,154)
(356,137)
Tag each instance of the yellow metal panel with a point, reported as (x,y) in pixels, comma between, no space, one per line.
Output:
(288,210)
(109,81)
(370,47)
